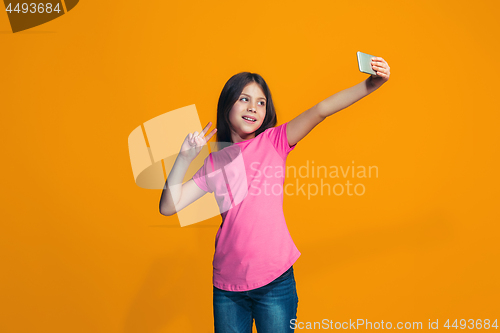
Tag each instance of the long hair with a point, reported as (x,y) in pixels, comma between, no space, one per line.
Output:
(230,94)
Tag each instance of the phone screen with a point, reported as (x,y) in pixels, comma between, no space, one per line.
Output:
(365,63)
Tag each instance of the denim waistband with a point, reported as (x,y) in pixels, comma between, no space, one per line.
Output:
(288,271)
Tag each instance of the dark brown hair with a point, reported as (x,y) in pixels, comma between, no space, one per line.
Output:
(230,94)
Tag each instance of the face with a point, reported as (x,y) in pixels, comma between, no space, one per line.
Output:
(252,103)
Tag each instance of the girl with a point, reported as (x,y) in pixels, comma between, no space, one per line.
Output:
(253,274)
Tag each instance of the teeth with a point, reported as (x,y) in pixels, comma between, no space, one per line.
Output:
(249,119)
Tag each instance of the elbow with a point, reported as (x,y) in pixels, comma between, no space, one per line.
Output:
(166,212)
(320,111)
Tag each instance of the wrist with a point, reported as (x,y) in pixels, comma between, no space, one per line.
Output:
(375,82)
(184,159)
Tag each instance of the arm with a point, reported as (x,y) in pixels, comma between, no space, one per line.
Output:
(175,195)
(301,125)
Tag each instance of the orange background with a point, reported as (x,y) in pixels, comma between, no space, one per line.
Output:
(83,249)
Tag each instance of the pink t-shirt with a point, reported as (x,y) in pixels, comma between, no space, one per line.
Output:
(253,245)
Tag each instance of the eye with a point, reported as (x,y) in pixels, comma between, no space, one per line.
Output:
(243,98)
(263,103)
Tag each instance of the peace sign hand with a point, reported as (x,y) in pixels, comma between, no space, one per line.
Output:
(194,142)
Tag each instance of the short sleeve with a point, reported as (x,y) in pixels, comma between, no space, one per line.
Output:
(200,177)
(277,136)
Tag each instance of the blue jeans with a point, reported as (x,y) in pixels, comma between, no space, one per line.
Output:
(272,306)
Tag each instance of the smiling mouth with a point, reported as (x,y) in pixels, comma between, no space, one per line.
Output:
(249,119)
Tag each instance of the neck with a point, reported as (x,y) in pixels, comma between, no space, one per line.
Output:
(235,137)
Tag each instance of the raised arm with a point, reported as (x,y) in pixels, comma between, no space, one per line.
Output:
(300,126)
(176,195)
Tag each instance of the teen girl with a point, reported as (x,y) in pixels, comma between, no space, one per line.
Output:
(254,253)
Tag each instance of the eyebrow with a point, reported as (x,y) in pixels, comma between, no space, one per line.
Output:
(251,96)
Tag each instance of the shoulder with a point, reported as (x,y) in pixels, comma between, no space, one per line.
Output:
(278,137)
(274,130)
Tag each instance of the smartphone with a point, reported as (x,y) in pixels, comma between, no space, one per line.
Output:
(365,63)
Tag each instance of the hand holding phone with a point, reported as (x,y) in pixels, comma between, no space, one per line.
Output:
(365,63)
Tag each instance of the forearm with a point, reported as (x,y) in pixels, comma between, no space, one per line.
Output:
(173,186)
(346,97)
